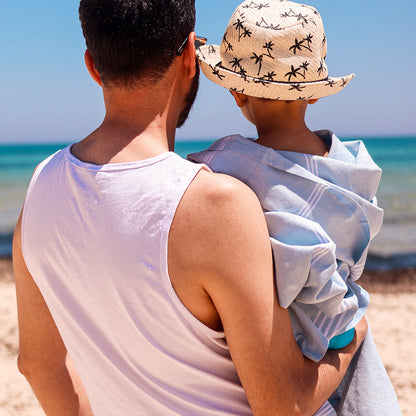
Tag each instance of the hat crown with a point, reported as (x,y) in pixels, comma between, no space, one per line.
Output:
(275,40)
(272,49)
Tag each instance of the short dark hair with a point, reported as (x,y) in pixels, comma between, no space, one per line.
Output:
(134,39)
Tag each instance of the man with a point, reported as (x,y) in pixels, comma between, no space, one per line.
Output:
(145,282)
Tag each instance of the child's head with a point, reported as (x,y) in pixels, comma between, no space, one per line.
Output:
(272,49)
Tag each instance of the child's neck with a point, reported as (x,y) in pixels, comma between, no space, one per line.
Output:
(281,126)
(294,139)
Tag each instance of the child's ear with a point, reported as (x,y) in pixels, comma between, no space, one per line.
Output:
(239,98)
(315,100)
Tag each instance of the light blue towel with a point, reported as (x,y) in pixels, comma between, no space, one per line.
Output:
(321,215)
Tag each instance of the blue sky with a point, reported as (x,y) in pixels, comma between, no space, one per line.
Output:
(46,93)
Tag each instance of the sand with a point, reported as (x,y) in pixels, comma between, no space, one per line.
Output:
(392,316)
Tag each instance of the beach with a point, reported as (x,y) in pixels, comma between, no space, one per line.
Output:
(391,316)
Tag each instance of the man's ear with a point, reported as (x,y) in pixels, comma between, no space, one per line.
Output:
(315,100)
(239,98)
(91,68)
(189,55)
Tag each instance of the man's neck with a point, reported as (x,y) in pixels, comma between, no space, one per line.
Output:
(139,124)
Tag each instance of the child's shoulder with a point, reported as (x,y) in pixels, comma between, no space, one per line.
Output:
(234,143)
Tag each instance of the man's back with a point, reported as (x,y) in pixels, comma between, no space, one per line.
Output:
(106,229)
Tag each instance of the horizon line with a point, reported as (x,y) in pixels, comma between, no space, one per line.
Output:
(189,140)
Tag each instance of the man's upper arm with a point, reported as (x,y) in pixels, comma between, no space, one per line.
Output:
(39,339)
(228,247)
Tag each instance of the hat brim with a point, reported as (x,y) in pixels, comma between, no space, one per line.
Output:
(210,63)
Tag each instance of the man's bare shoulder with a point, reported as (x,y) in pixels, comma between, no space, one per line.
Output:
(220,206)
(217,213)
(219,189)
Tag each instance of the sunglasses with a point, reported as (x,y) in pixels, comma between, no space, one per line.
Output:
(199,41)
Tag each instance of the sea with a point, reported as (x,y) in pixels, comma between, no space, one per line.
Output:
(394,247)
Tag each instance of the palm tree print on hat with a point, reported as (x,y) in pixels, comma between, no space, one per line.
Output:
(300,44)
(212,49)
(308,40)
(262,81)
(228,46)
(247,33)
(254,5)
(259,58)
(304,18)
(263,24)
(312,9)
(216,72)
(294,72)
(243,74)
(242,30)
(236,64)
(290,13)
(330,83)
(270,76)
(304,66)
(299,16)
(297,87)
(269,47)
(259,61)
(238,25)
(322,67)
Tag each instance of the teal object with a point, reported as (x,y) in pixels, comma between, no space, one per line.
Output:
(341,340)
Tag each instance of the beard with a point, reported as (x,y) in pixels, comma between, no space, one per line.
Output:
(189,98)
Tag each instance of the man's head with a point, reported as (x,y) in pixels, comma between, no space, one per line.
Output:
(135,40)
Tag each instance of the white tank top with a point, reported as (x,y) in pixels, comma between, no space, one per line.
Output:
(95,240)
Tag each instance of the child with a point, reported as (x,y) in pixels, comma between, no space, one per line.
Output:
(318,194)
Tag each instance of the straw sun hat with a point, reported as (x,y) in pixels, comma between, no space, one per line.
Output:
(272,49)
